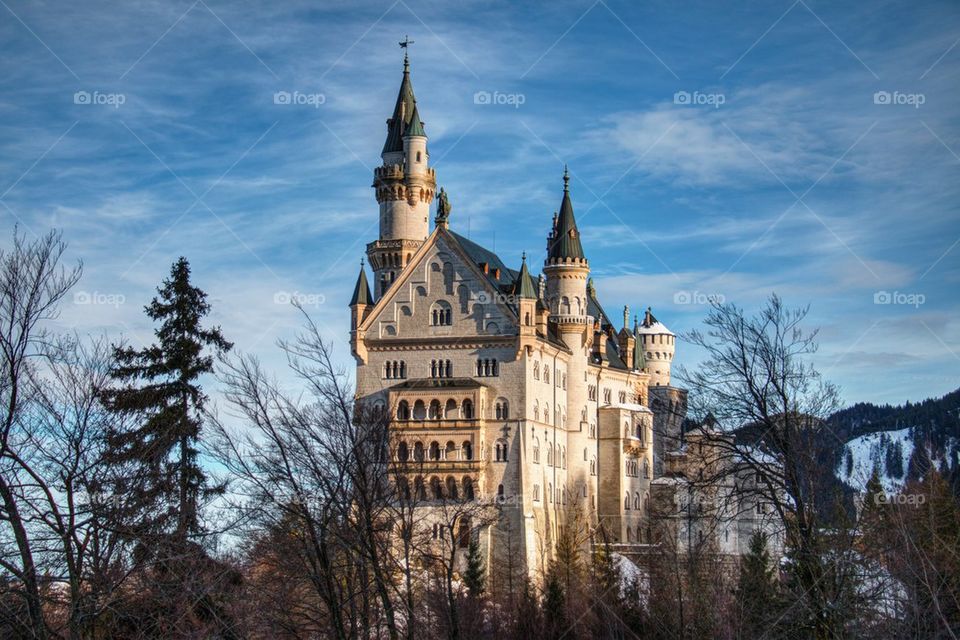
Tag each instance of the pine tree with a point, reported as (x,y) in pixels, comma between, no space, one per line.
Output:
(161,383)
(554,606)
(474,577)
(757,592)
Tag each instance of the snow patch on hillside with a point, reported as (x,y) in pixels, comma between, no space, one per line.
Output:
(877,450)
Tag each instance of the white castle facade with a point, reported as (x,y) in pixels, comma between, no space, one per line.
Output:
(504,387)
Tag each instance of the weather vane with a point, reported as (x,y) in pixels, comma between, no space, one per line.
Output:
(405,45)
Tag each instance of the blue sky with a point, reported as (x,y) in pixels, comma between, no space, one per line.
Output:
(733,151)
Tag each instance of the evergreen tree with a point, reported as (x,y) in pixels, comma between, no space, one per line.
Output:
(757,594)
(161,383)
(474,577)
(554,606)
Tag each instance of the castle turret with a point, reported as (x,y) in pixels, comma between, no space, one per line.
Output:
(405,186)
(525,293)
(359,304)
(657,344)
(566,268)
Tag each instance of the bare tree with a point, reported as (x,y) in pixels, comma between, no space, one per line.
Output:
(32,285)
(769,408)
(320,464)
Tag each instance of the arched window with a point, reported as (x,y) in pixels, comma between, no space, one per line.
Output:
(536,451)
(646,468)
(636,501)
(536,370)
(418,489)
(419,410)
(403,410)
(500,496)
(467,450)
(435,413)
(593,465)
(434,450)
(565,305)
(418,451)
(467,409)
(550,493)
(436,489)
(499,452)
(450,410)
(441,314)
(403,489)
(626,501)
(563,458)
(501,449)
(468,488)
(450,451)
(502,409)
(403,452)
(452,491)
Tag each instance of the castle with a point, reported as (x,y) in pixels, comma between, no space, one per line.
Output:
(504,387)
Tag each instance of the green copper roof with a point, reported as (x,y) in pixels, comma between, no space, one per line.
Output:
(566,239)
(524,286)
(402,113)
(361,293)
(415,128)
(639,362)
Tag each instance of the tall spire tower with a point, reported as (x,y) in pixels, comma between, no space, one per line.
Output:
(405,186)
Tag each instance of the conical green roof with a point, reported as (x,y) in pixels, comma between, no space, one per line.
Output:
(361,293)
(402,113)
(639,362)
(566,239)
(524,286)
(415,128)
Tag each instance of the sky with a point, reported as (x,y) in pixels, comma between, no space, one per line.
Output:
(726,150)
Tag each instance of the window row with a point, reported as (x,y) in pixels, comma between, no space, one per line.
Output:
(556,456)
(441,369)
(441,315)
(438,489)
(558,495)
(435,411)
(487,367)
(633,468)
(435,452)
(636,501)
(395,370)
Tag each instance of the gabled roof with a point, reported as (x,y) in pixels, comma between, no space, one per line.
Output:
(565,242)
(361,293)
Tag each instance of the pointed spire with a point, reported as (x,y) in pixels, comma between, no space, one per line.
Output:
(361,293)
(566,241)
(415,128)
(524,286)
(639,362)
(402,112)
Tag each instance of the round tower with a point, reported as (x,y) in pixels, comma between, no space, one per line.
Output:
(405,186)
(566,268)
(657,343)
